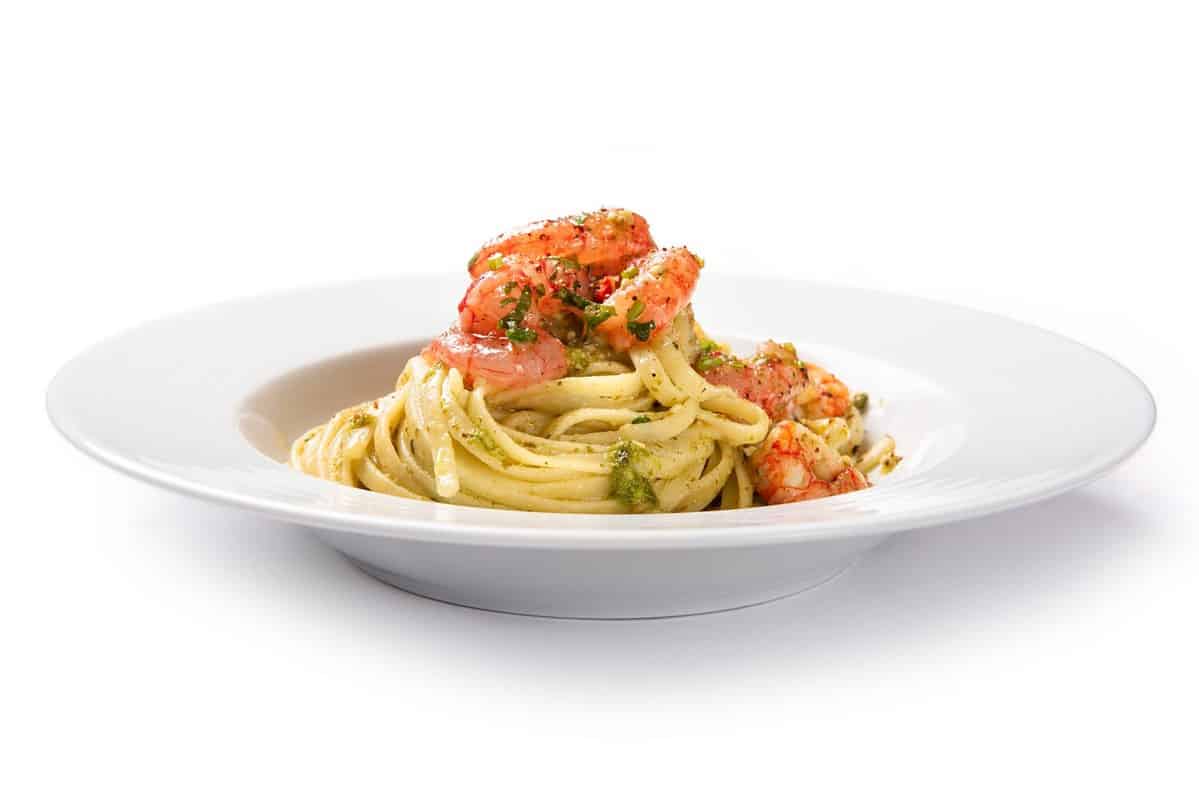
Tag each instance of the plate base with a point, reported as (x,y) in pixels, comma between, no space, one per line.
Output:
(407,585)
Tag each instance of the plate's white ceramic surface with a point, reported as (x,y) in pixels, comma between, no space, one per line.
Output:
(989,414)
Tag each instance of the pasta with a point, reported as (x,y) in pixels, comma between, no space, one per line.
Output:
(660,426)
(550,448)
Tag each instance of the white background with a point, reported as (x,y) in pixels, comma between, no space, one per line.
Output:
(1029,158)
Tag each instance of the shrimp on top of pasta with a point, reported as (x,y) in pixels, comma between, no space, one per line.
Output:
(576,379)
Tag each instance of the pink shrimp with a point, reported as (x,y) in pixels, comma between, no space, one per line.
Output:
(498,361)
(496,294)
(779,382)
(823,395)
(794,464)
(646,303)
(604,240)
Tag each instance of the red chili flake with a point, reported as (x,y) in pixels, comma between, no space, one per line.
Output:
(604,288)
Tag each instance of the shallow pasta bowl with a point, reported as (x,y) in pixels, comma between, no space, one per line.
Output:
(206,403)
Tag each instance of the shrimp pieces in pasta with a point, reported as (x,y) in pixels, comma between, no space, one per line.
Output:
(591,391)
(657,288)
(604,240)
(794,464)
(776,380)
(521,286)
(822,395)
(498,361)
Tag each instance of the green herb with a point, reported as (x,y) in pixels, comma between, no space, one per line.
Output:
(641,418)
(642,331)
(593,313)
(495,262)
(522,335)
(515,317)
(861,401)
(629,274)
(573,299)
(711,356)
(628,485)
(578,219)
(507,301)
(597,314)
(510,323)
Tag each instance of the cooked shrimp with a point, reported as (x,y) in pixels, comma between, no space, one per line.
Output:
(605,240)
(646,303)
(823,395)
(776,380)
(498,361)
(520,287)
(769,382)
(794,464)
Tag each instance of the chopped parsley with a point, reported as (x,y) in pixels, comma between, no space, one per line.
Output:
(511,323)
(496,262)
(593,313)
(640,330)
(641,418)
(578,219)
(573,299)
(597,314)
(522,335)
(711,356)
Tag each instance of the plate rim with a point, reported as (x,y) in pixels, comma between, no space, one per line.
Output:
(508,533)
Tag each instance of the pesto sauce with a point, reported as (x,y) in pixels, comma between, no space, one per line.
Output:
(577,360)
(361,420)
(628,485)
(485,441)
(579,357)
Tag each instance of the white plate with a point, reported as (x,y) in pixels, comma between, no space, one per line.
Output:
(989,414)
